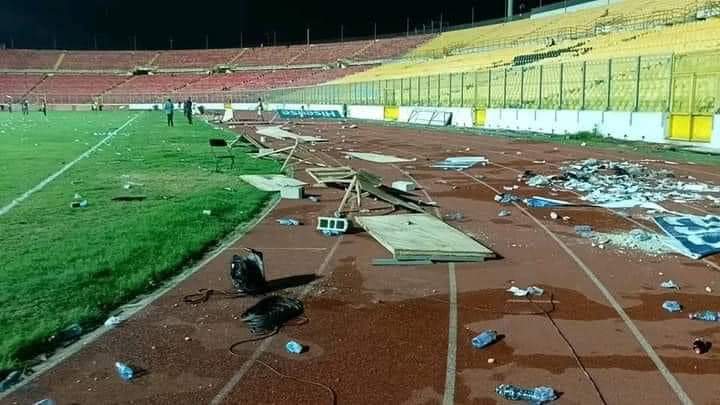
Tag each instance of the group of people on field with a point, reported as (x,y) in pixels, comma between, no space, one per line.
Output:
(187,106)
(169,109)
(25,106)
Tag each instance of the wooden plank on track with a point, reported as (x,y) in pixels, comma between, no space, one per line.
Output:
(422,235)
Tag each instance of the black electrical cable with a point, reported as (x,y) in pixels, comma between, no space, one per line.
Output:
(271,313)
(204,294)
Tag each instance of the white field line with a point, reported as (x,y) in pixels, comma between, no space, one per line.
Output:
(4,210)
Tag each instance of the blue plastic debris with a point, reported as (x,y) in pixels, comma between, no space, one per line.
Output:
(542,202)
(288,221)
(460,163)
(484,339)
(124,371)
(537,395)
(294,347)
(672,306)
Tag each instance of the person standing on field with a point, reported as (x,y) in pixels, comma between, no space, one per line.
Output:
(43,107)
(26,107)
(188,110)
(169,108)
(260,109)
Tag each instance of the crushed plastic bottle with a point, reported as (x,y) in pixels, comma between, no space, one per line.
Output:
(484,339)
(709,316)
(672,306)
(288,221)
(294,347)
(537,395)
(124,371)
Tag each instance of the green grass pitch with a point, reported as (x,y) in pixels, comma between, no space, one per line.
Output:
(61,265)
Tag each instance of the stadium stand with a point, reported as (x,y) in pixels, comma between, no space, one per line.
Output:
(389,48)
(195,59)
(328,53)
(105,60)
(17,85)
(155,84)
(57,87)
(24,59)
(270,56)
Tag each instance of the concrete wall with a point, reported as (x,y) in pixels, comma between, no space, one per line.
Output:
(715,142)
(366,112)
(635,126)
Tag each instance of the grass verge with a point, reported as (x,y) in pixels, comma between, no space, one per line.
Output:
(63,265)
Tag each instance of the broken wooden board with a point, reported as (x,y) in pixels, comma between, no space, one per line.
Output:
(377,158)
(279,133)
(415,236)
(373,185)
(341,174)
(271,182)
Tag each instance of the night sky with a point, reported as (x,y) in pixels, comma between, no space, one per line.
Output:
(79,24)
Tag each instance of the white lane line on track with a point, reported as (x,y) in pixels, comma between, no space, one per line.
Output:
(669,378)
(4,210)
(235,380)
(450,368)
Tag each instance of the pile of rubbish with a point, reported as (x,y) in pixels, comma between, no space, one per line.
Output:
(636,239)
(605,181)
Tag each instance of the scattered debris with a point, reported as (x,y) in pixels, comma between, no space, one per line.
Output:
(331,226)
(461,163)
(542,202)
(504,213)
(491,361)
(277,132)
(129,198)
(694,236)
(554,215)
(708,290)
(636,239)
(423,237)
(532,291)
(113,321)
(46,401)
(507,198)
(314,199)
(331,174)
(271,313)
(377,158)
(271,182)
(700,346)
(294,347)
(672,306)
(125,372)
(207,212)
(584,231)
(484,339)
(539,181)
(605,181)
(708,316)
(670,285)
(11,379)
(537,395)
(405,186)
(454,216)
(288,221)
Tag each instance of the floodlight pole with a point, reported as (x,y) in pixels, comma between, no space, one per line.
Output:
(375,31)
(171,43)
(407,27)
(134,42)
(207,41)
(441,22)
(472,15)
(342,33)
(307,35)
(241,39)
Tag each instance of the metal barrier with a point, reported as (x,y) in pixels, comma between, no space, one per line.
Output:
(688,84)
